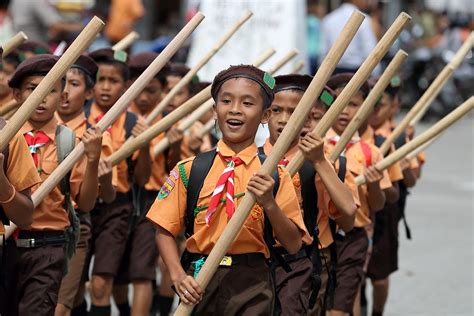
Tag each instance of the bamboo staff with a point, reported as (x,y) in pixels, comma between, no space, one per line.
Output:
(10,106)
(281,146)
(193,71)
(354,84)
(207,128)
(298,67)
(415,153)
(425,137)
(368,105)
(116,110)
(13,43)
(429,95)
(125,42)
(207,106)
(85,38)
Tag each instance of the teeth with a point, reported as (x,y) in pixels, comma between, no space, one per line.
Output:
(234,121)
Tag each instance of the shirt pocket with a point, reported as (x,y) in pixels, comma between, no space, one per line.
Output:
(47,167)
(255,219)
(203,201)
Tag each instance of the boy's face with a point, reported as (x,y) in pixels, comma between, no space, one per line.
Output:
(6,73)
(282,108)
(45,110)
(149,97)
(395,108)
(239,110)
(317,112)
(76,91)
(110,85)
(182,96)
(349,111)
(381,112)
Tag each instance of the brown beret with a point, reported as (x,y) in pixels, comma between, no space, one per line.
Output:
(264,79)
(177,69)
(35,47)
(38,65)
(302,82)
(88,66)
(342,79)
(139,62)
(109,55)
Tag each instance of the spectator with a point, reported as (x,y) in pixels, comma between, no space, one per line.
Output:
(123,15)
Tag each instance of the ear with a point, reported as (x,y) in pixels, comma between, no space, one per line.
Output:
(265,116)
(214,112)
(89,94)
(17,95)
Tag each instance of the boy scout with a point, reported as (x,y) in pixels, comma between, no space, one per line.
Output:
(7,69)
(138,264)
(294,288)
(37,252)
(80,80)
(242,284)
(110,222)
(352,248)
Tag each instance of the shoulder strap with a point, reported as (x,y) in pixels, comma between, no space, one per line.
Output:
(379,140)
(130,121)
(400,141)
(342,168)
(310,197)
(87,109)
(199,170)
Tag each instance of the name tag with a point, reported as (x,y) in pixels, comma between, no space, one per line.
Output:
(226,261)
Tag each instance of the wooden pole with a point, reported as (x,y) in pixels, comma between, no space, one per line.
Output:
(193,71)
(298,67)
(368,105)
(429,95)
(207,106)
(13,43)
(118,107)
(85,38)
(291,130)
(207,128)
(423,138)
(125,42)
(10,106)
(354,84)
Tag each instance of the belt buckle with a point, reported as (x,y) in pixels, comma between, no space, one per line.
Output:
(226,261)
(25,243)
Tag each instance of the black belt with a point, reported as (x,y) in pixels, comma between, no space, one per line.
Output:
(34,239)
(255,257)
(292,257)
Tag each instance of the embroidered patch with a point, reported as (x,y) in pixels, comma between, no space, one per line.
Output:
(395,81)
(327,98)
(269,80)
(168,186)
(256,213)
(120,55)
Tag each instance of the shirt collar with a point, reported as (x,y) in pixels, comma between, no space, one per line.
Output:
(73,124)
(267,147)
(247,155)
(49,128)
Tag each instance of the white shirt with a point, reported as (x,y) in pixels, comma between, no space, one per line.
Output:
(362,43)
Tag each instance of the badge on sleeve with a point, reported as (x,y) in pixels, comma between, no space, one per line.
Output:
(168,186)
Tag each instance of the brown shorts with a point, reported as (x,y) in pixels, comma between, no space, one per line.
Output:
(321,299)
(110,225)
(33,279)
(351,256)
(294,288)
(245,288)
(72,280)
(384,260)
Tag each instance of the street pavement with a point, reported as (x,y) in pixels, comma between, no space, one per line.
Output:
(435,274)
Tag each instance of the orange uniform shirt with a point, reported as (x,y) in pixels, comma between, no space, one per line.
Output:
(158,163)
(122,17)
(50,213)
(21,170)
(394,171)
(356,163)
(118,135)
(169,209)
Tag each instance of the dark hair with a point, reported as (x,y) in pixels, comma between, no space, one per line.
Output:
(125,71)
(89,82)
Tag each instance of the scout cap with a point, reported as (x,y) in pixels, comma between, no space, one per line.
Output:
(138,63)
(180,70)
(35,47)
(264,79)
(110,56)
(342,79)
(88,66)
(302,82)
(38,65)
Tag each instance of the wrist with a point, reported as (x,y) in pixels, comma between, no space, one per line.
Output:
(8,194)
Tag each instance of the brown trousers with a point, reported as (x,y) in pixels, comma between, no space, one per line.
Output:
(294,288)
(245,288)
(33,279)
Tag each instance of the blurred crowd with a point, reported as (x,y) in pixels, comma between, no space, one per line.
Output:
(431,39)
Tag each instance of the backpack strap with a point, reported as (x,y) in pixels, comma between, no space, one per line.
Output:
(378,140)
(6,154)
(199,170)
(130,121)
(309,194)
(87,109)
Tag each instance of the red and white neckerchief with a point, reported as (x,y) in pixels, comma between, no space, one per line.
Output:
(284,162)
(225,180)
(35,141)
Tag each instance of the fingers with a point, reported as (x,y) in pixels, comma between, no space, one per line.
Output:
(105,167)
(139,127)
(189,291)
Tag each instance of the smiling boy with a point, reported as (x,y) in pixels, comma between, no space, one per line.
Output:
(242,283)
